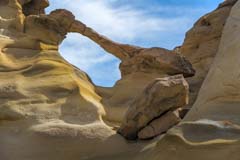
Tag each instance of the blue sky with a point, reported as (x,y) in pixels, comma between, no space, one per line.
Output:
(147,23)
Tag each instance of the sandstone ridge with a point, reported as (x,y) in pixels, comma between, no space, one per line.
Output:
(55,111)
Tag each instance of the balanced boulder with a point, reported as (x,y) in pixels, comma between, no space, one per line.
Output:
(161,96)
(160,125)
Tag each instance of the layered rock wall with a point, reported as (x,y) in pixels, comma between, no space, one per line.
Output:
(54,110)
(201,44)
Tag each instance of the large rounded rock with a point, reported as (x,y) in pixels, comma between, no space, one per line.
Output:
(160,125)
(159,97)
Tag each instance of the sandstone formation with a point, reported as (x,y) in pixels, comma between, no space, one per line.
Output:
(139,66)
(137,73)
(35,7)
(161,96)
(160,125)
(50,109)
(201,44)
(137,59)
(219,96)
(211,130)
(46,103)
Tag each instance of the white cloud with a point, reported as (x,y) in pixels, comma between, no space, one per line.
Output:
(125,24)
(119,23)
(90,58)
(83,52)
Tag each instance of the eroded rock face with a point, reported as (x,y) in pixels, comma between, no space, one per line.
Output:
(144,62)
(139,66)
(220,91)
(211,130)
(136,59)
(48,105)
(49,29)
(161,96)
(45,100)
(201,44)
(157,60)
(160,125)
(34,7)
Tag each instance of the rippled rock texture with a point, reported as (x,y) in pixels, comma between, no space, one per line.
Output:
(50,109)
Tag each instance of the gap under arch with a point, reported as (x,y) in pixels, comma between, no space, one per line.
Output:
(102,67)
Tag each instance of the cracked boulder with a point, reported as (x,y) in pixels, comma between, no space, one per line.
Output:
(160,97)
(160,125)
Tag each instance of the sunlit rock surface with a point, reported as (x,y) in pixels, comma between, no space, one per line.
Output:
(201,44)
(50,109)
(161,96)
(211,130)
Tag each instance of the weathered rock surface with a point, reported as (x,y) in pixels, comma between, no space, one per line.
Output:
(48,107)
(160,125)
(161,96)
(201,44)
(219,96)
(34,7)
(47,101)
(139,66)
(50,110)
(211,130)
(137,59)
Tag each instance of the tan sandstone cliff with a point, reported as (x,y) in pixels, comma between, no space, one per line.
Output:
(211,130)
(201,44)
(50,109)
